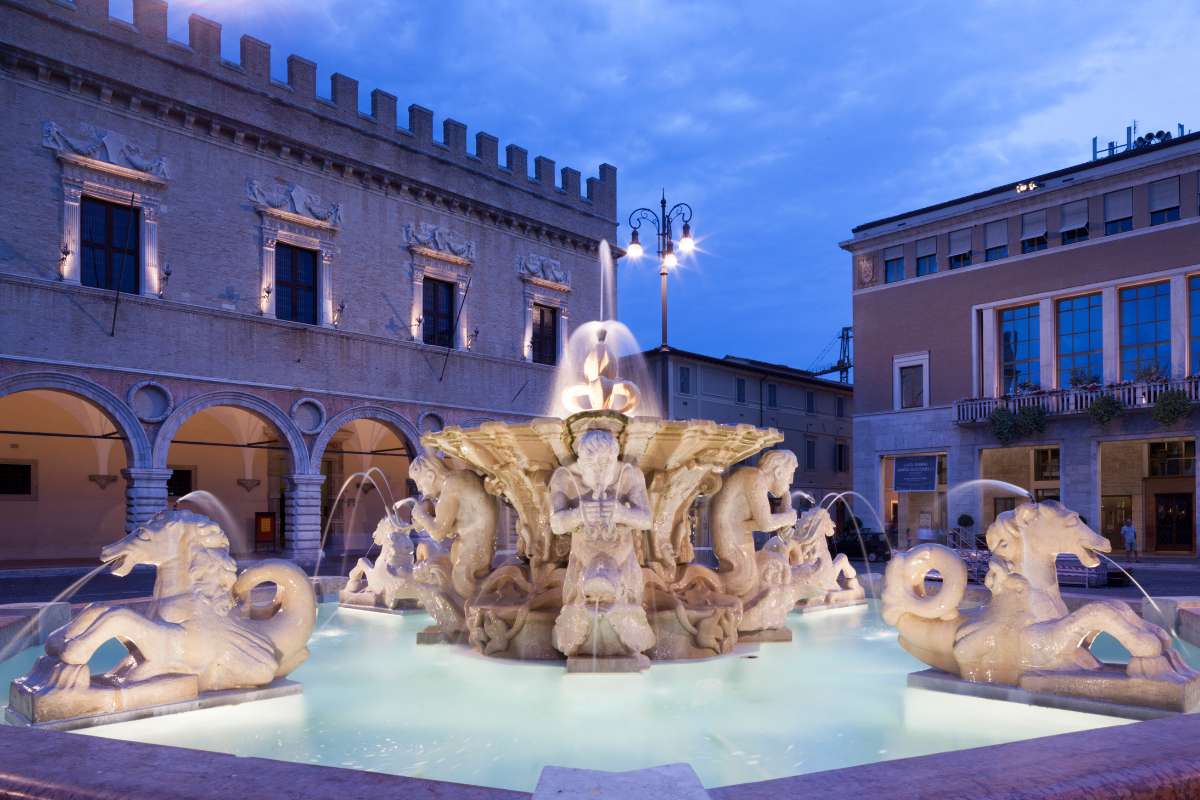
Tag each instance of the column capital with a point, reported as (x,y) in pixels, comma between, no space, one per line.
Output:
(301,481)
(146,474)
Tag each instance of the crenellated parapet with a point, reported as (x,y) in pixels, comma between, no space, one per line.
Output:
(417,133)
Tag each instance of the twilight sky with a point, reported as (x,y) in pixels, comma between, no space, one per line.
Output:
(783,124)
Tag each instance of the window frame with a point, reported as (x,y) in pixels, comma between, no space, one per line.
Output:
(294,286)
(683,379)
(132,247)
(810,454)
(1162,293)
(810,402)
(739,390)
(959,261)
(772,395)
(893,270)
(995,253)
(1033,325)
(539,338)
(1074,234)
(1193,290)
(1034,244)
(1064,306)
(429,335)
(33,480)
(1164,215)
(902,362)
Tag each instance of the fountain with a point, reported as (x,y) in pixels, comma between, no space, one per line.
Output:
(604,499)
(204,641)
(1025,637)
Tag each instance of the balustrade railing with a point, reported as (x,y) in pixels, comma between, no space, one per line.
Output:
(1076,401)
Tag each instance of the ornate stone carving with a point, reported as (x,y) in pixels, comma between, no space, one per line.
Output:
(99,144)
(388,582)
(865,267)
(1025,636)
(543,269)
(438,239)
(203,634)
(294,199)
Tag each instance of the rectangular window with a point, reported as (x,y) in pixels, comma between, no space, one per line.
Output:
(1074,225)
(1046,464)
(109,245)
(1002,504)
(1164,201)
(181,483)
(1194,302)
(912,386)
(810,402)
(295,284)
(16,479)
(1172,459)
(437,313)
(545,334)
(1020,349)
(927,256)
(685,380)
(1118,212)
(1033,231)
(1080,341)
(995,240)
(841,406)
(810,454)
(960,248)
(772,395)
(1146,332)
(893,264)
(840,457)
(741,390)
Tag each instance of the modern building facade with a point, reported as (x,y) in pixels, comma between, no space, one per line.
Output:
(989,327)
(813,414)
(216,279)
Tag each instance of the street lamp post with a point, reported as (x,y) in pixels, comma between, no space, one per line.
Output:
(662,225)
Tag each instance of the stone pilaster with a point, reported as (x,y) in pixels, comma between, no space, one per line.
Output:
(1079,477)
(302,523)
(72,196)
(145,494)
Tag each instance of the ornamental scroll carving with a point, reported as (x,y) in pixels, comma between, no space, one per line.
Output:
(294,199)
(436,238)
(543,268)
(104,145)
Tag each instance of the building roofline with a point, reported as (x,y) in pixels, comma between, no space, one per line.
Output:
(1043,178)
(752,365)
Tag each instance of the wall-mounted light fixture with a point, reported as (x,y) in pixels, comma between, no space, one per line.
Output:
(1027,186)
(266,297)
(338,313)
(471,339)
(164,275)
(416,328)
(62,262)
(102,480)
(248,483)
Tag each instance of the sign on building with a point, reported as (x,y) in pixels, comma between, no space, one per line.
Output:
(915,474)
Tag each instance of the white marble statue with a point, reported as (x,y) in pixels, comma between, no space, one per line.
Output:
(1026,636)
(386,582)
(601,502)
(817,577)
(462,511)
(202,633)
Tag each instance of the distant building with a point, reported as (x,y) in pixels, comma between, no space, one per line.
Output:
(812,413)
(1041,297)
(305,288)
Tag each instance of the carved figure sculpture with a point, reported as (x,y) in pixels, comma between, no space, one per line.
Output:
(294,199)
(742,506)
(602,388)
(202,635)
(818,577)
(102,145)
(1025,636)
(386,582)
(464,512)
(601,501)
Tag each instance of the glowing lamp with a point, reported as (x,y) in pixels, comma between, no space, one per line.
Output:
(669,260)
(687,244)
(635,247)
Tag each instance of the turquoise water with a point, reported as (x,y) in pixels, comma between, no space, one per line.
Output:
(373,699)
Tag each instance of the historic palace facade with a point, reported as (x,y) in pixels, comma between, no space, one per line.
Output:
(215,280)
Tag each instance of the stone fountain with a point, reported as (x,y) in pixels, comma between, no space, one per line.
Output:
(203,641)
(606,508)
(1024,644)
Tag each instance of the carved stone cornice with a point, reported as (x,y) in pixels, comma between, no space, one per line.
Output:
(111,169)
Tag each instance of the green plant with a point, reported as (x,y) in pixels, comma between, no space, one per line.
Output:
(1004,426)
(966,521)
(1105,409)
(1170,407)
(1031,420)
(1150,373)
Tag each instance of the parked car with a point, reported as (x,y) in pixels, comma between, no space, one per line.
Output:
(874,542)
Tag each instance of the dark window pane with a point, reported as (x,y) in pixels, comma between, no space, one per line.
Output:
(438,313)
(180,483)
(545,339)
(1145,331)
(16,480)
(912,386)
(295,284)
(109,245)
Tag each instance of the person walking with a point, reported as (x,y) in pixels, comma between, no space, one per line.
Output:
(1129,534)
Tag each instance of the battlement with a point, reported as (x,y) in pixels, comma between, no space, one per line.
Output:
(253,71)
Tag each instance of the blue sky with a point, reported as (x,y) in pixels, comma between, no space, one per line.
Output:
(783,124)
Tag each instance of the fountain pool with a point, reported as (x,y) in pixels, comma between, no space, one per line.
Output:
(834,696)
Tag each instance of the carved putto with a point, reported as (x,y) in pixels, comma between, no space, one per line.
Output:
(294,199)
(543,268)
(440,239)
(103,145)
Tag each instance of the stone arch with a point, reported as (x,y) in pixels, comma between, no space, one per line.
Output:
(385,416)
(261,408)
(137,443)
(475,422)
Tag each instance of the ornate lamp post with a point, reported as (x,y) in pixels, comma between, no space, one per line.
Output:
(662,224)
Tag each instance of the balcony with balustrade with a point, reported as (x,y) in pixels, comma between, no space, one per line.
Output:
(1064,402)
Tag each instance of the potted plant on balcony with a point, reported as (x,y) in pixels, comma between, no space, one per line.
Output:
(1171,406)
(1105,408)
